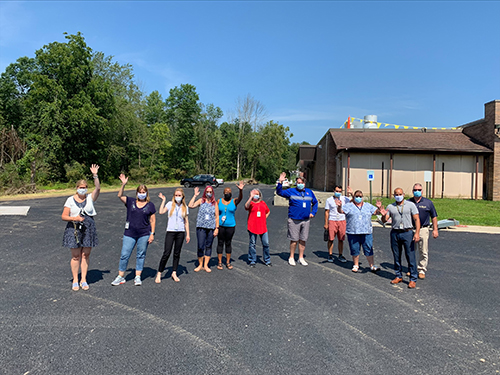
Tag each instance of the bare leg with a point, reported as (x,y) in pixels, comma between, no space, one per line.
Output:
(200,264)
(355,259)
(158,278)
(293,245)
(302,247)
(85,262)
(76,255)
(207,259)
(121,273)
(330,247)
(219,265)
(138,273)
(370,260)
(341,248)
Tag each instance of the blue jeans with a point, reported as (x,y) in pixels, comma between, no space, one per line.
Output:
(252,253)
(127,247)
(205,238)
(400,240)
(356,241)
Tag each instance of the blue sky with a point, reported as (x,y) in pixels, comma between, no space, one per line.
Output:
(312,64)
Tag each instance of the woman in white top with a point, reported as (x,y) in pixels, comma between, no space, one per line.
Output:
(80,234)
(177,230)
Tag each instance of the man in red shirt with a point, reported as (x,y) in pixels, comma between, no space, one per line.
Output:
(257,226)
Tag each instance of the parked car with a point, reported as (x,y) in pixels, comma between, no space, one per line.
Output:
(200,180)
(285,183)
(220,181)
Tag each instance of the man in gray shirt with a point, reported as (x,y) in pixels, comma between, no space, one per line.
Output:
(401,212)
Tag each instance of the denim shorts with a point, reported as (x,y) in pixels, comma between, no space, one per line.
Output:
(356,241)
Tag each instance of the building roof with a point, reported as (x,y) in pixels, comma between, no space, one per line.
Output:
(452,141)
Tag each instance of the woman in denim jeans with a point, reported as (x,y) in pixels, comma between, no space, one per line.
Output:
(258,213)
(139,230)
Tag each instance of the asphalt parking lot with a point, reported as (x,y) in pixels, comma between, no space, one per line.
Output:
(320,319)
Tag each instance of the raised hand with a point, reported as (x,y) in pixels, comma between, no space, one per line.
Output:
(196,191)
(282,177)
(123,179)
(161,196)
(240,185)
(94,168)
(378,204)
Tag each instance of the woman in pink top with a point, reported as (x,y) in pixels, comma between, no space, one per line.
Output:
(257,226)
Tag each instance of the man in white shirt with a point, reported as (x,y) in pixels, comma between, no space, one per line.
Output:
(335,222)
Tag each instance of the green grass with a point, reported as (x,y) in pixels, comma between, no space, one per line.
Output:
(466,211)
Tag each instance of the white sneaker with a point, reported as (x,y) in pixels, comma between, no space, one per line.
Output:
(302,261)
(118,281)
(137,281)
(291,261)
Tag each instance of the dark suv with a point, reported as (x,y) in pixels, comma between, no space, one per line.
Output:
(200,180)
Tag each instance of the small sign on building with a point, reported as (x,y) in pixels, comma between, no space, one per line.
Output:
(428,176)
(370,175)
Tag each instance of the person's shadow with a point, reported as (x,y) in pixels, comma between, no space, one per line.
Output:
(95,275)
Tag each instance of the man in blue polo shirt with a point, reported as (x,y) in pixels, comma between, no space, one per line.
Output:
(426,213)
(302,206)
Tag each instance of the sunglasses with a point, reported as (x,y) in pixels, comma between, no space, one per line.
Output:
(417,189)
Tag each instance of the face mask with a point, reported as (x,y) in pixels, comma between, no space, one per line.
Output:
(209,195)
(227,196)
(256,197)
(399,198)
(178,199)
(142,196)
(417,193)
(81,191)
(337,194)
(301,186)
(358,199)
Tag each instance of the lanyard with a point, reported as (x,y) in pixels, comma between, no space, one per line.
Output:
(402,210)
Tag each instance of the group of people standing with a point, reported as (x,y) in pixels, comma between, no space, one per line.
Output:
(216,218)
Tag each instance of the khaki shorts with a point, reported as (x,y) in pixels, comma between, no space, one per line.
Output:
(336,228)
(298,230)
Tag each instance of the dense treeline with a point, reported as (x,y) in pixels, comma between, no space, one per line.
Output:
(69,107)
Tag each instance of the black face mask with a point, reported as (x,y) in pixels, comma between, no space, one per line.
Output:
(227,196)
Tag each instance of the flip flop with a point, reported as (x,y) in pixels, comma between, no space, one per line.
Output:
(75,287)
(84,285)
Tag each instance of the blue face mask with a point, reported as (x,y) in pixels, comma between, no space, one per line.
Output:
(358,199)
(301,186)
(399,198)
(337,194)
(417,193)
(142,196)
(81,191)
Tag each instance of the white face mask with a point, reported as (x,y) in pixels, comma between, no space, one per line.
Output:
(81,191)
(142,196)
(256,197)
(399,198)
(178,199)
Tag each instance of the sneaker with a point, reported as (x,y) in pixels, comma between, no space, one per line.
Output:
(302,261)
(137,281)
(291,261)
(330,258)
(119,280)
(269,264)
(374,268)
(342,259)
(252,265)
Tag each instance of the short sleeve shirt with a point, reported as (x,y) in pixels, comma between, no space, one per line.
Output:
(426,210)
(257,222)
(331,206)
(401,215)
(359,219)
(176,220)
(138,218)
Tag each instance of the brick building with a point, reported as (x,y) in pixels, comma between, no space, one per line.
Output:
(460,163)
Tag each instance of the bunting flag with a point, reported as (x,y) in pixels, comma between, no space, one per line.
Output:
(350,120)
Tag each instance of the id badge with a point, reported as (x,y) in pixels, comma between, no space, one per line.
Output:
(207,217)
(258,213)
(304,205)
(127,224)
(223,219)
(360,217)
(401,226)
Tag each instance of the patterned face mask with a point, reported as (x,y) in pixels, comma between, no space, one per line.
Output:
(142,196)
(81,191)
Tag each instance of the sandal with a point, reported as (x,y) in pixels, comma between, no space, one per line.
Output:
(84,285)
(229,266)
(219,266)
(75,287)
(355,268)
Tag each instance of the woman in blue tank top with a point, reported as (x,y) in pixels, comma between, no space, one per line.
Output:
(227,223)
(207,225)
